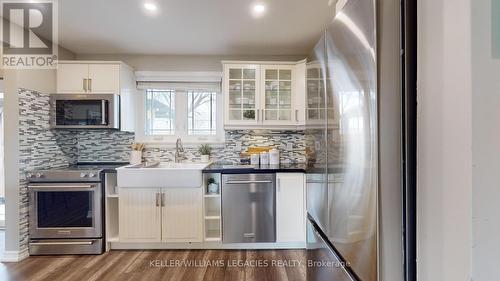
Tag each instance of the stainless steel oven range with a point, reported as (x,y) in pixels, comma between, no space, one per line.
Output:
(66,211)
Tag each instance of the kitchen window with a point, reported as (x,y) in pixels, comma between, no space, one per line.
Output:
(202,113)
(160,112)
(191,111)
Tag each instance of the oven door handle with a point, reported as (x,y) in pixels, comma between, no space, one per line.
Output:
(62,243)
(61,186)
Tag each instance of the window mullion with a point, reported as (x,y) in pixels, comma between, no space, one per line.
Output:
(181,113)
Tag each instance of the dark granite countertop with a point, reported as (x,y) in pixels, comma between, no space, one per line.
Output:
(255,169)
(107,167)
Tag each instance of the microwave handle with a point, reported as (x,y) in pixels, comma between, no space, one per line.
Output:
(103,112)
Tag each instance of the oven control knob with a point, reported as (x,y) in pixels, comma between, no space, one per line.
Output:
(29,175)
(38,175)
(83,175)
(91,175)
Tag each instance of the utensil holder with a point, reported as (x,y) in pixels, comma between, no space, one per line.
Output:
(135,157)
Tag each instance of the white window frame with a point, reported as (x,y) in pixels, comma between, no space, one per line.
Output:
(181,122)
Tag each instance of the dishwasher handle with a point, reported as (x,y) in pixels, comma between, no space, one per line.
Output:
(247,182)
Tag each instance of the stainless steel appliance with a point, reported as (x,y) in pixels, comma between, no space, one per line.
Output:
(342,183)
(85,111)
(66,210)
(248,208)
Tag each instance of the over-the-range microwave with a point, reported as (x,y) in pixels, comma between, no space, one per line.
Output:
(85,111)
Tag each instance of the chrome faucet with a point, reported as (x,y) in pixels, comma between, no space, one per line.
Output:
(179,151)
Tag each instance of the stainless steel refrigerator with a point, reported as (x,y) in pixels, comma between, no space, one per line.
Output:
(342,181)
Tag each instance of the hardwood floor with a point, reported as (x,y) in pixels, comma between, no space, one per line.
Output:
(228,265)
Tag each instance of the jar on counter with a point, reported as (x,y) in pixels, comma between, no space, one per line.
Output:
(264,158)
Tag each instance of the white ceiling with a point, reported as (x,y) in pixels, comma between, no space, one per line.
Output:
(191,27)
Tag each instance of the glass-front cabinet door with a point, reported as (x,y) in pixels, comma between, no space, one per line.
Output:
(242,94)
(277,88)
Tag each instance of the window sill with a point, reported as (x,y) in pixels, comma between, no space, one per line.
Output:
(170,141)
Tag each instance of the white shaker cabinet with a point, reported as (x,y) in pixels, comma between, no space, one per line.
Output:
(104,78)
(160,214)
(139,215)
(72,78)
(182,215)
(290,207)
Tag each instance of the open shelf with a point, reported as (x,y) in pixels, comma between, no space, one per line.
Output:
(211,195)
(111,210)
(212,232)
(212,209)
(212,214)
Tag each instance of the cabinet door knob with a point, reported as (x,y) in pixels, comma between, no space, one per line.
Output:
(90,85)
(85,84)
(163,199)
(157,199)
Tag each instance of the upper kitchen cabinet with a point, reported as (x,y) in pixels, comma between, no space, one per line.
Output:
(264,95)
(319,97)
(101,77)
(72,78)
(104,78)
(241,85)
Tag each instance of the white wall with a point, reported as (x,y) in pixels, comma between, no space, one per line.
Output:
(485,147)
(444,141)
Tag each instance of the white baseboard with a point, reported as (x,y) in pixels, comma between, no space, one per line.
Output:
(205,246)
(14,256)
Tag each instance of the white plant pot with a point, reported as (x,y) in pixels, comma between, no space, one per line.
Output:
(213,188)
(205,158)
(135,157)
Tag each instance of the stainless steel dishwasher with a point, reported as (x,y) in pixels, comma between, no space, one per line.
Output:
(248,208)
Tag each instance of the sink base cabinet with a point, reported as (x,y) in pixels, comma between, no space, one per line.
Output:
(182,215)
(139,215)
(160,215)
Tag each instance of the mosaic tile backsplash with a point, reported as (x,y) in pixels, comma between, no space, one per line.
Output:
(109,145)
(39,148)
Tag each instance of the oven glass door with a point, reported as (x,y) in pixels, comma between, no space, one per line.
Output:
(66,210)
(82,112)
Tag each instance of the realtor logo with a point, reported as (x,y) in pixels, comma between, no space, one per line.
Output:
(29,34)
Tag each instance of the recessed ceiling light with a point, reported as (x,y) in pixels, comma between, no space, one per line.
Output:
(150,7)
(258,9)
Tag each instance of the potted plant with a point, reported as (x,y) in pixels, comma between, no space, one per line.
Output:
(205,150)
(213,187)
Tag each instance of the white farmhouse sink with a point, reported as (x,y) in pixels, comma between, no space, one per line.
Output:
(165,174)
